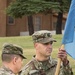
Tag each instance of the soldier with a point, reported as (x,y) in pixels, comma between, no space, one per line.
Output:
(12,56)
(42,63)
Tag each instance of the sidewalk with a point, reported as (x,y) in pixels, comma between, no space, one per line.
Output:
(27,33)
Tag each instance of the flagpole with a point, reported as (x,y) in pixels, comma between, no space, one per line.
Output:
(58,64)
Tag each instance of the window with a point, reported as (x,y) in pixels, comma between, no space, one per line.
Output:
(11,20)
(37,25)
(54,25)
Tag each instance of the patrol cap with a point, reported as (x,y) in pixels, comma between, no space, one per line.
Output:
(43,36)
(12,49)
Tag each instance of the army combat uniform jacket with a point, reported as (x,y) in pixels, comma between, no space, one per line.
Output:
(35,67)
(5,71)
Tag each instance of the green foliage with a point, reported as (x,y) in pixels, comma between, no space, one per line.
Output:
(29,7)
(65,4)
(19,8)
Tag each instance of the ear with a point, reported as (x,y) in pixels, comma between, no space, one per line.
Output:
(15,60)
(35,45)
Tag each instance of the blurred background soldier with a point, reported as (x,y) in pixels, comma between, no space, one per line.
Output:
(12,56)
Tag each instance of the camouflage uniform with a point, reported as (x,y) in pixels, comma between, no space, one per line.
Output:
(48,67)
(5,71)
(10,49)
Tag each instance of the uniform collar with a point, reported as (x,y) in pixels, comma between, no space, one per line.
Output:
(44,64)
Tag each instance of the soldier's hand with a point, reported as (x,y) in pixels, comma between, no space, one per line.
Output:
(63,56)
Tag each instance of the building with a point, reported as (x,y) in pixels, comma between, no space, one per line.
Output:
(16,27)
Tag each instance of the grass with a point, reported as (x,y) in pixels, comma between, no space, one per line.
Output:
(26,43)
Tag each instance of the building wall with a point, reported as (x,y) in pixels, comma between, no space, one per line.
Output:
(40,22)
(3,17)
(20,25)
(45,22)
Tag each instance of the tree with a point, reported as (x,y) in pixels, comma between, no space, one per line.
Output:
(30,25)
(64,7)
(20,8)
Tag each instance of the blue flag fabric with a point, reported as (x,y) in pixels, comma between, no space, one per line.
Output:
(69,32)
(70,48)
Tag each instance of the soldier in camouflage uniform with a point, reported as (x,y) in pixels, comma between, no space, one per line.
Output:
(12,56)
(42,63)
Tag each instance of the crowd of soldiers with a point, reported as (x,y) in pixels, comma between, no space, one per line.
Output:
(41,63)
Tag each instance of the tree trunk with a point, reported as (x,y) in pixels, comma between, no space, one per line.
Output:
(59,23)
(30,25)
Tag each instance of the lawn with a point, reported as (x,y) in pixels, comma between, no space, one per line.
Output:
(27,44)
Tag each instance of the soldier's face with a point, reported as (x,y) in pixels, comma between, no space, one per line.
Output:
(45,49)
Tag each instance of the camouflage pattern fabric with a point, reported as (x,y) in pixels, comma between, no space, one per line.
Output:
(48,67)
(12,49)
(5,71)
(43,36)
